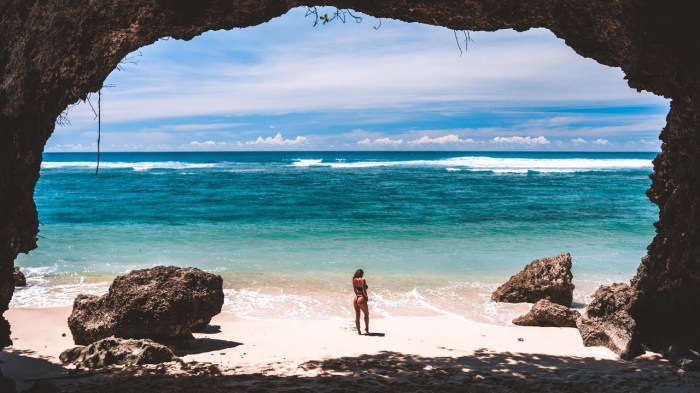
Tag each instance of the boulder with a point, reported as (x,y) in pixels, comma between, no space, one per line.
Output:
(161,303)
(609,300)
(546,313)
(608,322)
(117,351)
(548,278)
(20,280)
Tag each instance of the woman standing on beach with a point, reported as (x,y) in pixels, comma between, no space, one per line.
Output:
(359,285)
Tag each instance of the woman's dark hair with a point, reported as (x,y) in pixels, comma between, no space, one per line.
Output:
(358,274)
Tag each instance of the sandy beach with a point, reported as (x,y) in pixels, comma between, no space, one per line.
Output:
(431,353)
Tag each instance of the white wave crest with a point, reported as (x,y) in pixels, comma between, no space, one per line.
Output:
(307,163)
(498,165)
(39,293)
(136,166)
(249,303)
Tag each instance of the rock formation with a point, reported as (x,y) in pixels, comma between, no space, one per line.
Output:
(116,351)
(547,278)
(608,322)
(546,313)
(55,52)
(159,303)
(18,276)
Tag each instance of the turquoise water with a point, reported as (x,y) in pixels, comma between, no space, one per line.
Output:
(435,232)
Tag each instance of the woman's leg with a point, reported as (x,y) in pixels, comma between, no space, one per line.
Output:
(357,314)
(362,302)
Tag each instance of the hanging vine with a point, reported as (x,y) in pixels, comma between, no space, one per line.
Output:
(340,13)
(467,40)
(99,129)
(63,120)
(98,117)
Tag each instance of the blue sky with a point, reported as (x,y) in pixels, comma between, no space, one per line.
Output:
(286,85)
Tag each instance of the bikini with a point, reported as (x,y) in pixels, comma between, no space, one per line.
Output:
(359,291)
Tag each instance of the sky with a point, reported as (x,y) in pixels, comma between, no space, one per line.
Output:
(290,85)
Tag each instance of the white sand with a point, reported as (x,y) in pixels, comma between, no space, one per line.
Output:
(332,347)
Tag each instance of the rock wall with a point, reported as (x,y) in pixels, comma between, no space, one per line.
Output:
(54,52)
(667,284)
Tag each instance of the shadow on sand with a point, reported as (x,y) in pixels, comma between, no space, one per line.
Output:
(203,345)
(23,365)
(390,371)
(210,329)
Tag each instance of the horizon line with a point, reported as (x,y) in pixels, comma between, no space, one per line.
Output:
(348,151)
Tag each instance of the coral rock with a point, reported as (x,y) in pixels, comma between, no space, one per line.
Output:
(548,278)
(117,351)
(608,322)
(20,280)
(160,303)
(546,313)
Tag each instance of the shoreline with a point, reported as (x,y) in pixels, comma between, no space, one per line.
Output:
(308,350)
(279,297)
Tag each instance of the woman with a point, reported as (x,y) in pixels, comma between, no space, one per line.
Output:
(359,285)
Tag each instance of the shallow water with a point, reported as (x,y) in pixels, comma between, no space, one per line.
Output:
(435,232)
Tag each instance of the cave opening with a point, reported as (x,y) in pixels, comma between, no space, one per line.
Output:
(626,34)
(174,109)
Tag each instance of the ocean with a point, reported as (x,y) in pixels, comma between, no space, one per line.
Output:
(435,232)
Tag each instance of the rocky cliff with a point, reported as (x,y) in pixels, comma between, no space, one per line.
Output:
(54,52)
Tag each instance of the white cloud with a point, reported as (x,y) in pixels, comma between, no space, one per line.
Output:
(382,76)
(601,142)
(519,140)
(278,140)
(72,147)
(210,145)
(380,142)
(201,127)
(176,78)
(206,144)
(579,141)
(563,120)
(440,140)
(653,143)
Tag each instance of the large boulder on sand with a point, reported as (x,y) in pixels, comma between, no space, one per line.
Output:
(160,303)
(546,313)
(117,351)
(547,278)
(608,322)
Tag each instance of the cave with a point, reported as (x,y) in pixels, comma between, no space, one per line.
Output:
(54,53)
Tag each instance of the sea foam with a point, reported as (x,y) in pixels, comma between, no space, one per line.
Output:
(497,165)
(136,166)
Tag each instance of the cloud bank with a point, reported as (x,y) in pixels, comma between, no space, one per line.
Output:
(510,90)
(278,140)
(519,140)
